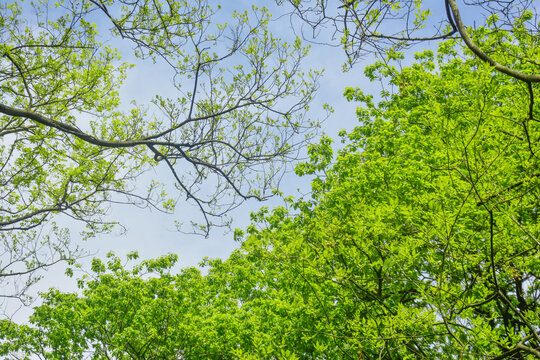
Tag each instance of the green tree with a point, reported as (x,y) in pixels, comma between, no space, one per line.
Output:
(428,219)
(235,117)
(246,307)
(366,27)
(419,241)
(149,313)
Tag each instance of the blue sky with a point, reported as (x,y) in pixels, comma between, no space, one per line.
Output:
(152,233)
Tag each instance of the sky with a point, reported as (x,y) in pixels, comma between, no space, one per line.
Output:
(153,233)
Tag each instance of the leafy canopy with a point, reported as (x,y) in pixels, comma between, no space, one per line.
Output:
(419,241)
(222,130)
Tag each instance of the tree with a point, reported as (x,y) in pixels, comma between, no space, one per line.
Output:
(238,310)
(369,26)
(70,147)
(419,240)
(150,313)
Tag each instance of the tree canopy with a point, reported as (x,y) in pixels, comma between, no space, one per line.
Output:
(420,240)
(225,127)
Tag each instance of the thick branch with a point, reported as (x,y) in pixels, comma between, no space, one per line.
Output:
(519,348)
(481,54)
(70,129)
(528,349)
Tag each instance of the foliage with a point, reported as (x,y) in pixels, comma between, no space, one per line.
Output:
(367,27)
(232,117)
(420,241)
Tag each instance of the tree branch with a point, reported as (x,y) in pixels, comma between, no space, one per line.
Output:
(481,54)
